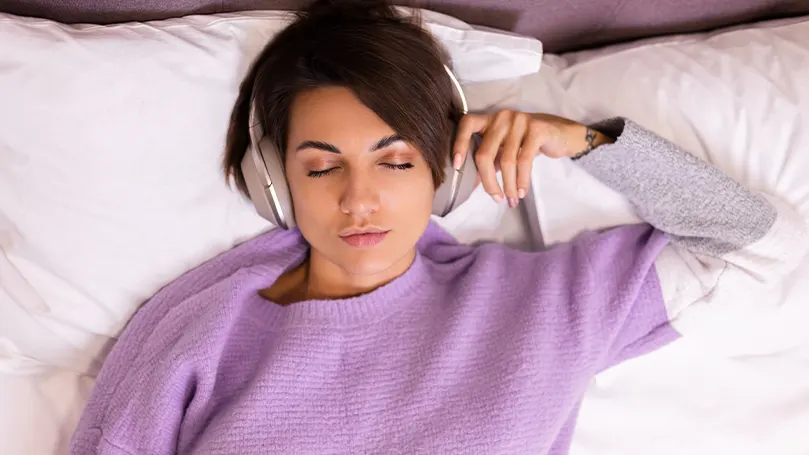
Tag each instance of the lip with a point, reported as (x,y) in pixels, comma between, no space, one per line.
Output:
(362,230)
(364,238)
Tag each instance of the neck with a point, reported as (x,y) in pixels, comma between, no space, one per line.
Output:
(326,280)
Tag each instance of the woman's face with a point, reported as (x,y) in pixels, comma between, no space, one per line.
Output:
(349,173)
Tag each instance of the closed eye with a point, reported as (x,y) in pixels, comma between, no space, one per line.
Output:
(320,173)
(398,167)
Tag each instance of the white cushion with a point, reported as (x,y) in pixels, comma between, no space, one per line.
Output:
(110,145)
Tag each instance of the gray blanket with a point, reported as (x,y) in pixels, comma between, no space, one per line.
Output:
(562,25)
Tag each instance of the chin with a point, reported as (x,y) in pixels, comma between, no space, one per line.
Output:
(365,266)
(378,260)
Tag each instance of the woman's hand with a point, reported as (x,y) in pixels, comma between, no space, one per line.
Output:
(510,142)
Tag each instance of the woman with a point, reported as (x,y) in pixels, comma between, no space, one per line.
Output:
(367,329)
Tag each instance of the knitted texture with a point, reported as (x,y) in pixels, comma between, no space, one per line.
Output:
(473,350)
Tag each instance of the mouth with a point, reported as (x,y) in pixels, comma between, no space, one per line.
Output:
(364,238)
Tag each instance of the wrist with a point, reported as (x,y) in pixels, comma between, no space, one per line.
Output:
(584,139)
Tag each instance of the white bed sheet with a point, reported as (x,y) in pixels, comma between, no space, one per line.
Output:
(39,410)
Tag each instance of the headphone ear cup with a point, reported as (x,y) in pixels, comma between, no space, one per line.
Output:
(267,185)
(458,184)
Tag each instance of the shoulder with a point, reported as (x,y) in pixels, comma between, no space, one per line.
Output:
(591,256)
(270,250)
(200,300)
(499,267)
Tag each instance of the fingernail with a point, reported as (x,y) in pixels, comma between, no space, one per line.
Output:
(457,161)
(521,193)
(512,202)
(497,198)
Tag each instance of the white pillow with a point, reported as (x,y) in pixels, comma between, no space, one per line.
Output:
(737,98)
(110,147)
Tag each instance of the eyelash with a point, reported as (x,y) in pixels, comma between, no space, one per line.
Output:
(397,167)
(316,174)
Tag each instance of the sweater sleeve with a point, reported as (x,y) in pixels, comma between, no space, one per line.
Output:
(158,383)
(140,395)
(725,238)
(154,389)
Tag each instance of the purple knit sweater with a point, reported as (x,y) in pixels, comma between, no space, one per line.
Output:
(475,349)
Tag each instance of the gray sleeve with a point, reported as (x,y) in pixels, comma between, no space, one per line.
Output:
(727,241)
(700,207)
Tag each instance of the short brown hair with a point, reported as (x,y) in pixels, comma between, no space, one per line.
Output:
(393,65)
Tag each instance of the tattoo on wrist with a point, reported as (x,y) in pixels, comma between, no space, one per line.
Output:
(589,138)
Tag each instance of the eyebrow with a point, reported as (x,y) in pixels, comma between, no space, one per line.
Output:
(386,141)
(326,147)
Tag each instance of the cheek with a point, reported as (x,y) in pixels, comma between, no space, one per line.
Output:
(309,198)
(409,196)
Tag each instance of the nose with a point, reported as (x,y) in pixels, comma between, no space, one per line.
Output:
(361,196)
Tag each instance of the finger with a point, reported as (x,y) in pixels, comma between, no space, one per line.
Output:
(477,175)
(509,156)
(486,154)
(469,125)
(525,163)
(533,140)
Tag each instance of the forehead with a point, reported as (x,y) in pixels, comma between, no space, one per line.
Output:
(333,112)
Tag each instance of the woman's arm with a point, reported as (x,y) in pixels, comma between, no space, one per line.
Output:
(721,239)
(726,241)
(160,376)
(142,392)
(714,242)
(703,210)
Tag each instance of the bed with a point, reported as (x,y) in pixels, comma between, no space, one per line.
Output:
(110,132)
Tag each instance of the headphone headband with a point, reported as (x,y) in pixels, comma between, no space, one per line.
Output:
(461,97)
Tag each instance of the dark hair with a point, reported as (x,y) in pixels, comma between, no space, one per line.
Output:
(392,64)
